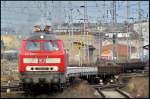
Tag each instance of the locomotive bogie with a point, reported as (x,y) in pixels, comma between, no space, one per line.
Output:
(43,77)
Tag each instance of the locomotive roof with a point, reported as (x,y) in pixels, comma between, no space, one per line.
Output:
(36,36)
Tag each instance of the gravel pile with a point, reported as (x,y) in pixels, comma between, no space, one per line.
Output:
(138,87)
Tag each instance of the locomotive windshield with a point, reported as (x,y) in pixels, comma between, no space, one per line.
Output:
(46,45)
(50,46)
(33,45)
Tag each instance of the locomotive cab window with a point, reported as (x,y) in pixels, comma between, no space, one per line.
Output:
(51,46)
(33,45)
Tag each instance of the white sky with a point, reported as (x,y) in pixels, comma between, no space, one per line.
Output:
(14,13)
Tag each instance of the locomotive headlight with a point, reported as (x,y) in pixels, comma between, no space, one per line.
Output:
(28,68)
(111,81)
(56,49)
(55,68)
(41,36)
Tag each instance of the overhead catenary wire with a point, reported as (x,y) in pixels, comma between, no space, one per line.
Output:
(14,7)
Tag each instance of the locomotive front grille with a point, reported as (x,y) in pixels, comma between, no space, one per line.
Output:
(42,68)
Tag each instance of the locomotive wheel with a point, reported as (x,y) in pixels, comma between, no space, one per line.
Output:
(60,87)
(28,88)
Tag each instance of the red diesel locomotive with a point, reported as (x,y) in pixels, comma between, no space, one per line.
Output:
(42,60)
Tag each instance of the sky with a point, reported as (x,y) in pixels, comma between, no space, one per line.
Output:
(27,13)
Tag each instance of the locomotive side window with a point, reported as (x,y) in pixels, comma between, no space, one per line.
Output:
(51,46)
(33,45)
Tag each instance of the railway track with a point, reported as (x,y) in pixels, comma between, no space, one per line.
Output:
(108,86)
(142,73)
(111,91)
(7,88)
(11,86)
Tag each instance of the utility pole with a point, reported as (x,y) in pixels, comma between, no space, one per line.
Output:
(71,19)
(129,32)
(100,41)
(59,14)
(86,31)
(104,12)
(114,23)
(100,36)
(86,47)
(99,44)
(140,32)
(69,27)
(4,4)
(114,12)
(128,36)
(45,8)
